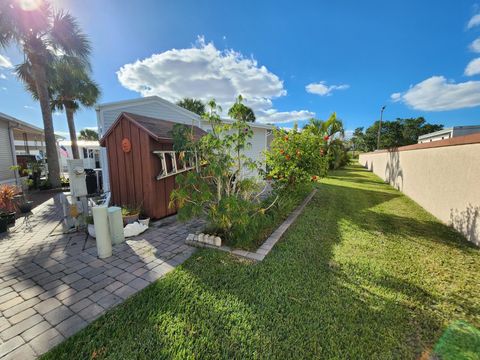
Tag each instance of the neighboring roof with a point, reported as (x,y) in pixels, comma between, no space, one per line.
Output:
(448,130)
(157,128)
(22,125)
(188,113)
(81,143)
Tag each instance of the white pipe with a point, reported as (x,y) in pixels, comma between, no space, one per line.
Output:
(115,221)
(102,232)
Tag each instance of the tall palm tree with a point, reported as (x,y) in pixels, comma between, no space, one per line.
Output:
(42,34)
(71,88)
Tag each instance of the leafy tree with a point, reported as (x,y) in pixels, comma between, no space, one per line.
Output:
(241,112)
(399,132)
(358,139)
(296,157)
(193,105)
(218,190)
(88,134)
(42,33)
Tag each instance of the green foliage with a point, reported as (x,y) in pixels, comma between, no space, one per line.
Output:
(280,204)
(399,132)
(88,134)
(219,189)
(296,157)
(193,105)
(241,112)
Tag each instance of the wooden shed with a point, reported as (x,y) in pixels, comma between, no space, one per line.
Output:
(142,163)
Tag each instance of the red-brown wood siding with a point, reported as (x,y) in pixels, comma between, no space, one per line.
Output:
(133,174)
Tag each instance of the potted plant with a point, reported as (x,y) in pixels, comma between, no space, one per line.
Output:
(7,203)
(3,224)
(143,219)
(90,225)
(130,214)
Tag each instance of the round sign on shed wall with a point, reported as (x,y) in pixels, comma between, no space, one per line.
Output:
(126,145)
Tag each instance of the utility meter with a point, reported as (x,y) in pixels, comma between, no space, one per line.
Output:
(76,174)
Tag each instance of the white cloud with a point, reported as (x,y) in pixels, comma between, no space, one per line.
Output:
(321,88)
(275,116)
(475,45)
(474,21)
(396,97)
(5,62)
(204,72)
(473,67)
(3,76)
(437,94)
(4,88)
(28,107)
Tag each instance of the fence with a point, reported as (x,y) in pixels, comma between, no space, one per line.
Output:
(442,176)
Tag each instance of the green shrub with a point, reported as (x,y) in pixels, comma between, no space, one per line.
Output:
(296,157)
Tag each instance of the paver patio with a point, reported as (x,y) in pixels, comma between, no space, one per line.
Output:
(52,284)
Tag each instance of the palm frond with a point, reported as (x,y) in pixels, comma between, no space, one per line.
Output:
(25,74)
(67,37)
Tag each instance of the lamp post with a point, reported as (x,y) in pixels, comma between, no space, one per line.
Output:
(380,126)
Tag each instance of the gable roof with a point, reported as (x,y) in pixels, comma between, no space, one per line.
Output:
(157,128)
(19,124)
(174,107)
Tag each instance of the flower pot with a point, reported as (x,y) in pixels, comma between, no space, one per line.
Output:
(128,219)
(144,221)
(9,217)
(3,224)
(25,207)
(91,230)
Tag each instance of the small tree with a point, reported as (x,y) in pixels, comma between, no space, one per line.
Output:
(219,189)
(241,112)
(296,157)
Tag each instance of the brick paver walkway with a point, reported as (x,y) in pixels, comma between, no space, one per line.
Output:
(52,284)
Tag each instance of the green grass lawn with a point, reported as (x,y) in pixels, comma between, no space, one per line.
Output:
(364,273)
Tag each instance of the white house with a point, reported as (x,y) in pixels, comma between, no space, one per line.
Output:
(159,108)
(448,133)
(89,152)
(16,138)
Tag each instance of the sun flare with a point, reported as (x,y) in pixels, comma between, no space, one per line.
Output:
(29,5)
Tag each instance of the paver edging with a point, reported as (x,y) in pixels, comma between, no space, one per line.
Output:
(267,245)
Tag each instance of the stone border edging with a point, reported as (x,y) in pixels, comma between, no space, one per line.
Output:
(268,244)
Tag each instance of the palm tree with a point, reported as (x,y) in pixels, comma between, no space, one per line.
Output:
(42,34)
(241,112)
(71,88)
(194,105)
(88,134)
(331,127)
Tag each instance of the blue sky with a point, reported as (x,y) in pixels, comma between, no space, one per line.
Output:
(290,59)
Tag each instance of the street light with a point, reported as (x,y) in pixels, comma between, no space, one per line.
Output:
(380,127)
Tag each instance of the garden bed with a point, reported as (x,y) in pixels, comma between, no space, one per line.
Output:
(262,251)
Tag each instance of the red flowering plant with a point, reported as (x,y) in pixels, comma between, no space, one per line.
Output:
(296,157)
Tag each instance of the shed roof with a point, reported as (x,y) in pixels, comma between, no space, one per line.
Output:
(157,128)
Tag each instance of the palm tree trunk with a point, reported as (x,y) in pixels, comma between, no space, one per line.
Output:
(73,133)
(50,140)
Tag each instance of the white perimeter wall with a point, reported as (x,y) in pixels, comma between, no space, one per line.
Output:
(443,180)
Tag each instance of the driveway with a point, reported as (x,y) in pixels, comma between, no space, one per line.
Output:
(52,284)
